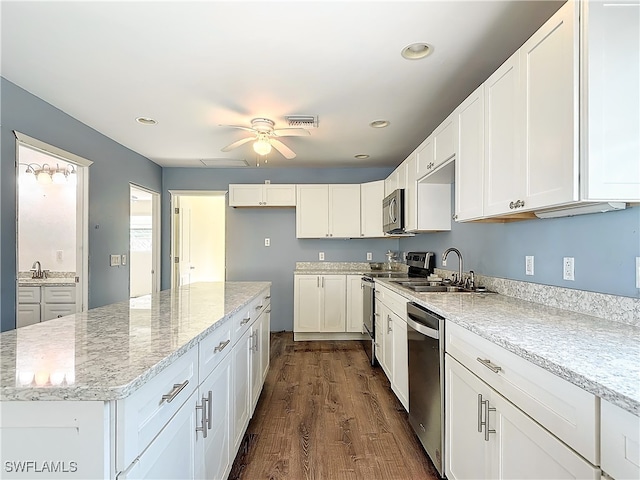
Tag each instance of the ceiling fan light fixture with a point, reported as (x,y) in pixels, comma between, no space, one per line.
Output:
(416,51)
(262,146)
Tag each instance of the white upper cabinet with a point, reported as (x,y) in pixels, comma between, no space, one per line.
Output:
(262,195)
(611,104)
(424,157)
(549,109)
(503,169)
(411,193)
(469,164)
(328,211)
(444,145)
(371,196)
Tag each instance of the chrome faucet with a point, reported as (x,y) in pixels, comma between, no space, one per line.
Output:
(444,261)
(37,273)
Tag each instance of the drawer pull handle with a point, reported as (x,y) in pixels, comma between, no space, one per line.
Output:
(268,311)
(258,307)
(245,320)
(203,425)
(221,346)
(487,363)
(267,297)
(177,388)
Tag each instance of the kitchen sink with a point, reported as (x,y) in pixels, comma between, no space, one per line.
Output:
(444,289)
(411,283)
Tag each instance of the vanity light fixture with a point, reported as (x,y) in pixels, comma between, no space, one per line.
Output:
(379,124)
(45,174)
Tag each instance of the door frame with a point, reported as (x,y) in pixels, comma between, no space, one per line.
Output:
(82,211)
(174,202)
(155,237)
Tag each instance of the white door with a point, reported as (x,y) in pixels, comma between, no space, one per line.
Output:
(307,303)
(185,266)
(216,455)
(334,305)
(503,170)
(143,241)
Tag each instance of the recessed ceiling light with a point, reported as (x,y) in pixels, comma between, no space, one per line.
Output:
(146,121)
(361,156)
(416,51)
(379,124)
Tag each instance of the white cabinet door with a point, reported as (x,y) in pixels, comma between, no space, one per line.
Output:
(173,453)
(334,303)
(354,303)
(312,211)
(444,145)
(28,314)
(387,327)
(467,454)
(424,157)
(265,343)
(216,456)
(400,361)
(307,303)
(610,113)
(241,374)
(57,310)
(279,195)
(344,210)
(469,165)
(255,343)
(549,95)
(245,195)
(371,196)
(620,441)
(411,194)
(391,182)
(378,332)
(503,169)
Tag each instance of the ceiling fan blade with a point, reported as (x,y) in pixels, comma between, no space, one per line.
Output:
(237,144)
(291,132)
(238,126)
(283,149)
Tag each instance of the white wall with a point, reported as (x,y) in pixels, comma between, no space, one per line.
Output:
(46,219)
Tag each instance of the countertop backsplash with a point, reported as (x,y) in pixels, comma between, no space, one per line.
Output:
(611,307)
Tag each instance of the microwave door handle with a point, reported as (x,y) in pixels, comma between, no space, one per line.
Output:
(392,210)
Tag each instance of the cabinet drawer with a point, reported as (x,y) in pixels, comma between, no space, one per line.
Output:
(396,302)
(564,409)
(142,415)
(57,310)
(214,348)
(620,442)
(28,314)
(242,320)
(59,294)
(28,294)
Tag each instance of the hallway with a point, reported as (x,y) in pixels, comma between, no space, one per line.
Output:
(324,413)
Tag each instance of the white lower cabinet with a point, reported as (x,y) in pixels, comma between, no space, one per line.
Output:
(319,303)
(619,442)
(241,388)
(354,303)
(488,437)
(41,303)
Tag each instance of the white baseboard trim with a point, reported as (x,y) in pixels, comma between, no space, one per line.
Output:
(304,336)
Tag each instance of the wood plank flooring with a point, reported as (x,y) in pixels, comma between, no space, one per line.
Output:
(324,413)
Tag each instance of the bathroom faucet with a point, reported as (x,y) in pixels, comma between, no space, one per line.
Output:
(37,273)
(444,261)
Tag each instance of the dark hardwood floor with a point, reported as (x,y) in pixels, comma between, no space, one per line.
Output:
(324,413)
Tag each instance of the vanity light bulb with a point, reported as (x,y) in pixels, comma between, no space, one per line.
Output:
(59,177)
(44,177)
(27,178)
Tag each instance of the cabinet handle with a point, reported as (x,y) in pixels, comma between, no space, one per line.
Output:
(245,320)
(258,307)
(267,311)
(210,410)
(487,363)
(480,422)
(487,430)
(177,388)
(267,297)
(318,282)
(221,346)
(512,205)
(376,314)
(388,324)
(257,345)
(521,203)
(322,282)
(203,425)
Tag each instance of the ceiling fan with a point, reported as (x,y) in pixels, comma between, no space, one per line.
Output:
(264,137)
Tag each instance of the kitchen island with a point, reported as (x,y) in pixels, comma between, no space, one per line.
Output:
(90,395)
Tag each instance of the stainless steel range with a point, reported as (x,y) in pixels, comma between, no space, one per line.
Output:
(421,264)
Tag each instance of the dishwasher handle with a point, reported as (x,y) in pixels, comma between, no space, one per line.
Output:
(423,329)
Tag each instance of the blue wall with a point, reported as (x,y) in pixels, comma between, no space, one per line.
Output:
(113,168)
(604,246)
(247,257)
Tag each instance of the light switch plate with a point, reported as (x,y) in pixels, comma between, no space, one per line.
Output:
(124,259)
(114,261)
(369,256)
(320,256)
(528,265)
(568,268)
(267,242)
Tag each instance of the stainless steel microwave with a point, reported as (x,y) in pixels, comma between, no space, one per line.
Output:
(393,212)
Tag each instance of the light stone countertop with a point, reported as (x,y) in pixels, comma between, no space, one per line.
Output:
(47,282)
(108,352)
(598,355)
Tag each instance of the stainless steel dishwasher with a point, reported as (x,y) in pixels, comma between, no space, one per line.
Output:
(425,337)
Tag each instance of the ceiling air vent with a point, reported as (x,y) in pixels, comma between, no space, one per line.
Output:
(224,163)
(302,121)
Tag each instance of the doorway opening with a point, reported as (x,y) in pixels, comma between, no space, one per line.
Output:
(52,230)
(144,241)
(198,237)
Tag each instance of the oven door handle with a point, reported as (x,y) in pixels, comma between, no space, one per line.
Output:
(423,329)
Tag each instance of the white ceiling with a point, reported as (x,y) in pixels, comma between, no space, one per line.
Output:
(195,65)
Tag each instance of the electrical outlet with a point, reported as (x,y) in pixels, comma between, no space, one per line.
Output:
(528,265)
(124,259)
(369,256)
(637,272)
(114,261)
(320,256)
(267,182)
(568,268)
(267,242)
(59,255)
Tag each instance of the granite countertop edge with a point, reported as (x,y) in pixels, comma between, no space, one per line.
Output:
(608,393)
